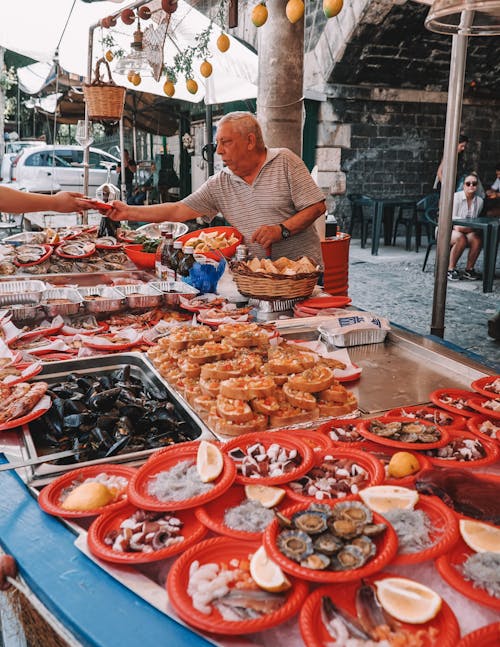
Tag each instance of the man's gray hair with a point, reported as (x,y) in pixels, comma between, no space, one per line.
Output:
(244,123)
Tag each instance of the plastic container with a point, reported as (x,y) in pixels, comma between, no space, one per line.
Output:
(335,253)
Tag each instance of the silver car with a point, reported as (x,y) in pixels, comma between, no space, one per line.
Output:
(47,169)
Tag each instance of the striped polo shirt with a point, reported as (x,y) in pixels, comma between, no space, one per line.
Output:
(281,189)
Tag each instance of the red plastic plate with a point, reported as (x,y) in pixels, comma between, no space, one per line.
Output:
(326,302)
(327,427)
(48,253)
(192,531)
(315,634)
(488,636)
(449,567)
(28,371)
(219,550)
(164,460)
(466,411)
(312,437)
(41,407)
(490,447)
(449,420)
(226,251)
(474,424)
(478,406)
(287,441)
(50,497)
(387,547)
(364,430)
(478,386)
(60,252)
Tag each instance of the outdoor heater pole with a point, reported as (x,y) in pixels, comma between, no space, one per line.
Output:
(209,136)
(448,185)
(86,149)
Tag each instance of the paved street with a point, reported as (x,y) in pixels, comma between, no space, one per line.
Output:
(393,285)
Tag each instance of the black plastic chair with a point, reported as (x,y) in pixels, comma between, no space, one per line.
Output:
(362,207)
(428,210)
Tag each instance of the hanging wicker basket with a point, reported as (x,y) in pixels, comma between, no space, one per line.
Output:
(105,99)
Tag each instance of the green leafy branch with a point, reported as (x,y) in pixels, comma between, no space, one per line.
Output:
(8,78)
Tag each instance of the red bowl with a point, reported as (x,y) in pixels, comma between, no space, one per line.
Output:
(225,251)
(327,427)
(488,636)
(491,449)
(384,454)
(435,415)
(365,426)
(474,426)
(143,260)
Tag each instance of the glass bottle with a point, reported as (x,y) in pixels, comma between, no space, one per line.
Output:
(186,263)
(163,255)
(177,256)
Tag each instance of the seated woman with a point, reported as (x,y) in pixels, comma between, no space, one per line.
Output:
(466,204)
(492,206)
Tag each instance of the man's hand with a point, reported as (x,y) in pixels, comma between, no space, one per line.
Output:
(267,235)
(66,202)
(120,211)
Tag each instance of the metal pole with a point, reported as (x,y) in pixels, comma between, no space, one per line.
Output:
(86,149)
(122,164)
(448,185)
(209,138)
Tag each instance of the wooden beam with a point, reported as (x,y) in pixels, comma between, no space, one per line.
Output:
(233,14)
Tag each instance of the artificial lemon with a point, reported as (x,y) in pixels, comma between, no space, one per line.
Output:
(402,464)
(266,573)
(88,496)
(266,495)
(479,536)
(109,56)
(206,69)
(169,88)
(209,461)
(130,75)
(408,601)
(223,43)
(259,14)
(136,79)
(382,498)
(192,86)
(332,8)
(294,10)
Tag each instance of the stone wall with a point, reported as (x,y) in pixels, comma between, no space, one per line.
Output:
(390,143)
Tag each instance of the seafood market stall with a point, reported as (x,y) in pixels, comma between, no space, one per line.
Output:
(286,425)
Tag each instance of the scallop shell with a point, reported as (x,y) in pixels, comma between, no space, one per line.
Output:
(316,562)
(350,557)
(354,511)
(295,544)
(328,543)
(310,521)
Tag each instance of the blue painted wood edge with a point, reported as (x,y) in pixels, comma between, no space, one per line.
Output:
(95,608)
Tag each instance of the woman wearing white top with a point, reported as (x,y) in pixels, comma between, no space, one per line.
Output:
(466,204)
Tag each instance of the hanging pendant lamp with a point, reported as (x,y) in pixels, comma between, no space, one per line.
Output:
(465,17)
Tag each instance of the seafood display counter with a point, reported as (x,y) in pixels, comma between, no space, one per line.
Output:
(106,605)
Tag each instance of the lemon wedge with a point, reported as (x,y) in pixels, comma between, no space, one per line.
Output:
(266,573)
(479,536)
(209,461)
(408,601)
(88,496)
(382,498)
(402,464)
(265,495)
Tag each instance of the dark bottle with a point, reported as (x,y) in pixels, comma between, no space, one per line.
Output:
(163,255)
(186,263)
(177,256)
(107,227)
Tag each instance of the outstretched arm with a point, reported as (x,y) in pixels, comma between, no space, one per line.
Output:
(14,201)
(171,211)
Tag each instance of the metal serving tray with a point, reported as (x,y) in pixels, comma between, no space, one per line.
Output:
(24,291)
(140,368)
(64,309)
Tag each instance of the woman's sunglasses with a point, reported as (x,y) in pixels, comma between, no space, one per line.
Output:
(470,183)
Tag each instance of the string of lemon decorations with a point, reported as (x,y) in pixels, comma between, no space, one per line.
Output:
(294,10)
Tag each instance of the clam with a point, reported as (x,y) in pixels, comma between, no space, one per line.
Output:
(350,557)
(328,543)
(295,544)
(310,521)
(316,562)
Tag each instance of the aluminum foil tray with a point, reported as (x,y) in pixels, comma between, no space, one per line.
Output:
(54,309)
(141,368)
(17,292)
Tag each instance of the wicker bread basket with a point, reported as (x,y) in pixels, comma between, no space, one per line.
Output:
(104,99)
(270,286)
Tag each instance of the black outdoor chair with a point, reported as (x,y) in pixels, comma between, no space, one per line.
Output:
(362,208)
(406,215)
(428,209)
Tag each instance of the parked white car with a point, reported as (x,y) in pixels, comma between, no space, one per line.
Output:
(12,150)
(47,169)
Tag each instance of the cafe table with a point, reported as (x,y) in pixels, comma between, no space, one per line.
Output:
(378,218)
(489,229)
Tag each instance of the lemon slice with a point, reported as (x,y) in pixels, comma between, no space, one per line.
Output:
(266,573)
(382,498)
(408,601)
(209,461)
(265,495)
(88,496)
(479,536)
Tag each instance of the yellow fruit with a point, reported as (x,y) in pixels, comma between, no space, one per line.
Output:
(266,495)
(266,574)
(136,79)
(223,43)
(259,14)
(332,8)
(169,88)
(402,464)
(109,56)
(294,10)
(209,461)
(206,69)
(192,86)
(479,536)
(88,496)
(382,498)
(130,75)
(408,601)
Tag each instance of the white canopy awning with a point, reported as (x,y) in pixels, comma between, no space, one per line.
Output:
(37,29)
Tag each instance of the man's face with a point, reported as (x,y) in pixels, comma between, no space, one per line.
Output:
(462,146)
(232,147)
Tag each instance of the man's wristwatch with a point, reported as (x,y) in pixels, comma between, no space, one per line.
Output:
(285,232)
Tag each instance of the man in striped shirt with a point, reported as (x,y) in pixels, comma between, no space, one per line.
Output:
(266,193)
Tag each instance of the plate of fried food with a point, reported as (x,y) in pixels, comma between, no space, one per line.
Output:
(224,240)
(23,403)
